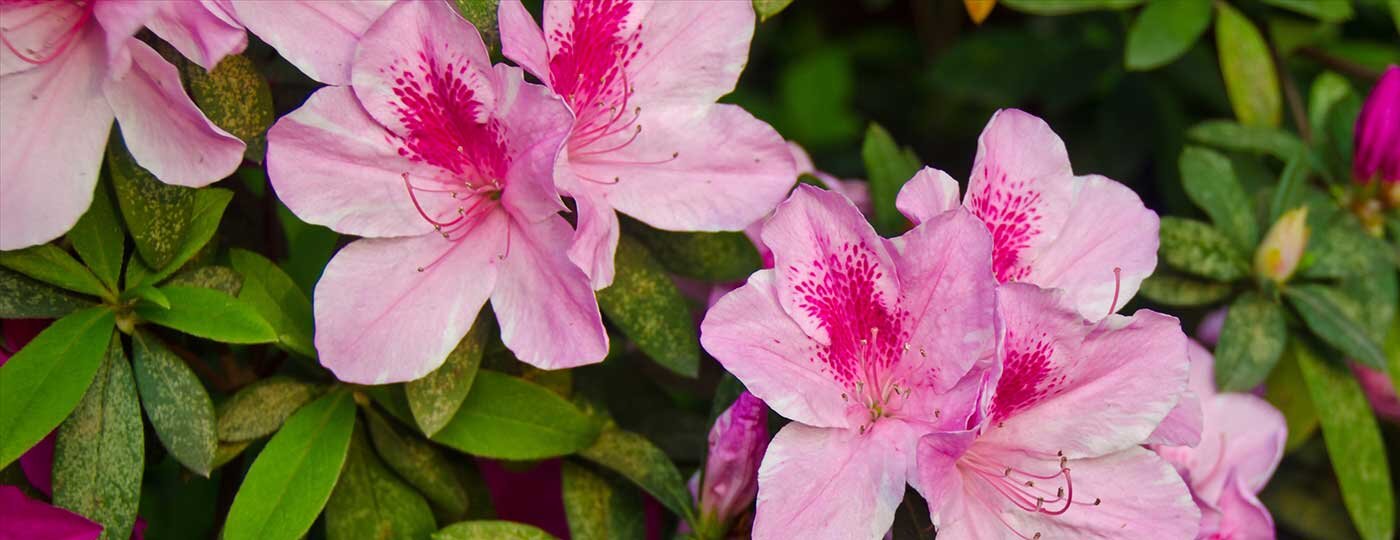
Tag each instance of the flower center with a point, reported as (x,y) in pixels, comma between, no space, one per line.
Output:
(1047,489)
(38,31)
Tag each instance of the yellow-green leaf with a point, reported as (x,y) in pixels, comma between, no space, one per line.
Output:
(1248,67)
(259,409)
(638,460)
(157,214)
(645,304)
(370,502)
(236,97)
(434,399)
(420,463)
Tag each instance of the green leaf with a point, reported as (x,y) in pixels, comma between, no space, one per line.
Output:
(1065,7)
(229,450)
(1287,392)
(766,9)
(99,453)
(599,509)
(50,264)
(888,167)
(719,257)
(98,238)
(1354,444)
(1199,249)
(1328,89)
(420,464)
(645,304)
(1172,290)
(149,294)
(1334,319)
(1251,341)
(1164,31)
(491,530)
(277,298)
(435,398)
(293,477)
(636,459)
(24,298)
(1291,186)
(1248,68)
(209,314)
(176,402)
(236,97)
(1343,249)
(1238,137)
(259,409)
(370,502)
(1395,12)
(219,278)
(1322,10)
(45,380)
(209,205)
(1210,182)
(177,504)
(507,418)
(157,214)
(482,15)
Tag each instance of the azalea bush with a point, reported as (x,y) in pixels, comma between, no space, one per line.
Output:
(623,269)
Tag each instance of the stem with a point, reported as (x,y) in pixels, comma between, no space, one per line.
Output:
(1342,65)
(1294,99)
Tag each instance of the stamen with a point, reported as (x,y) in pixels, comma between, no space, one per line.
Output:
(1117,285)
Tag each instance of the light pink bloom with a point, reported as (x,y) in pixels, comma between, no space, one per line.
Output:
(443,163)
(1088,235)
(648,139)
(1057,453)
(316,36)
(866,344)
(66,70)
(737,442)
(1241,444)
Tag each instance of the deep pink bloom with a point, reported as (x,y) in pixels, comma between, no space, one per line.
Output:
(1377,137)
(736,446)
(866,344)
(648,139)
(66,70)
(443,163)
(1088,235)
(1241,444)
(1056,452)
(1379,390)
(27,519)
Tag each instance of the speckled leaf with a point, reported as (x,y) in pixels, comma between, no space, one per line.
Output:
(491,530)
(1336,320)
(1251,341)
(434,399)
(226,451)
(209,205)
(1354,444)
(236,97)
(888,166)
(259,409)
(420,463)
(99,453)
(50,264)
(274,295)
(640,461)
(645,304)
(219,278)
(370,502)
(292,479)
(157,214)
(599,509)
(766,9)
(1174,290)
(209,314)
(1210,182)
(1197,248)
(24,298)
(98,238)
(715,256)
(1235,136)
(177,404)
(504,417)
(482,15)
(1343,249)
(1286,391)
(46,379)
(1248,68)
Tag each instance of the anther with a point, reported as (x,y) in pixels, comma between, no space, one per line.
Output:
(1097,501)
(1060,492)
(420,268)
(1036,537)
(1030,483)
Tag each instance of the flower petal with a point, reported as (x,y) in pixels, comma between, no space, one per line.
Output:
(162,127)
(1241,515)
(380,320)
(120,21)
(1243,433)
(522,41)
(27,518)
(319,38)
(1183,425)
(198,33)
(594,246)
(536,124)
(690,52)
(929,193)
(34,33)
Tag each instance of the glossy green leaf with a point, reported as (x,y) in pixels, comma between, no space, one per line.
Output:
(50,264)
(888,167)
(158,215)
(1251,341)
(504,417)
(219,278)
(491,530)
(277,298)
(1065,7)
(292,478)
(1335,319)
(482,15)
(209,206)
(259,409)
(98,238)
(599,509)
(435,398)
(1235,136)
(1210,183)
(420,463)
(209,314)
(370,502)
(176,402)
(99,453)
(235,97)
(715,256)
(1287,392)
(1354,444)
(1173,290)
(46,379)
(1199,249)
(646,305)
(640,461)
(24,298)
(1323,10)
(766,9)
(1164,31)
(1248,68)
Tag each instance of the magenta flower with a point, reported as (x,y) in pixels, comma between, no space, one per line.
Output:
(1377,137)
(736,445)
(1056,452)
(66,70)
(1379,391)
(866,344)
(1240,446)
(443,163)
(35,520)
(1088,235)
(648,139)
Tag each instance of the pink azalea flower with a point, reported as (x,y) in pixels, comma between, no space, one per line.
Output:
(66,70)
(443,163)
(318,37)
(1240,446)
(1088,235)
(736,446)
(1056,453)
(866,344)
(648,139)
(855,190)
(1379,391)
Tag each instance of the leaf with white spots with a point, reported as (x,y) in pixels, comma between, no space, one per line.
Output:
(259,409)
(176,402)
(647,306)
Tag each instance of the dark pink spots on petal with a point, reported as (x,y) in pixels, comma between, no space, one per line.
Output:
(1010,209)
(1027,376)
(445,123)
(589,69)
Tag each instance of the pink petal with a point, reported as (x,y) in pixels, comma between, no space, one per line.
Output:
(690,52)
(162,127)
(38,32)
(538,123)
(199,34)
(380,320)
(941,483)
(120,21)
(522,41)
(754,338)
(855,190)
(929,193)
(319,38)
(332,165)
(55,127)
(1083,389)
(1202,375)
(829,483)
(28,519)
(1242,516)
(1183,425)
(595,242)
(548,315)
(1243,434)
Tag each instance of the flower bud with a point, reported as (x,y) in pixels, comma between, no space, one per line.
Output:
(737,442)
(1377,135)
(1283,247)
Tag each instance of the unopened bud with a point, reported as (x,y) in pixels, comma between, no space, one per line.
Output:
(1377,135)
(1283,247)
(736,446)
